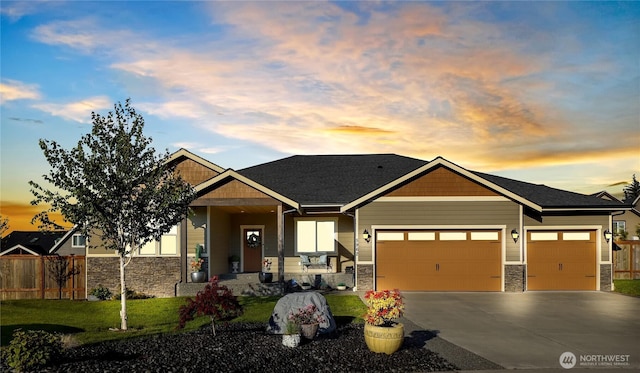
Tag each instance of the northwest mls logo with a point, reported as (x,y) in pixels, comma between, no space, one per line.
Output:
(568,360)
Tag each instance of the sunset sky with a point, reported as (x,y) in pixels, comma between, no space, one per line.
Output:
(544,92)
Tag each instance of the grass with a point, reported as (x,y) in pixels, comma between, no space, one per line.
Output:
(89,322)
(629,287)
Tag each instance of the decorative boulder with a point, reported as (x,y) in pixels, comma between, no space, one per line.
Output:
(291,303)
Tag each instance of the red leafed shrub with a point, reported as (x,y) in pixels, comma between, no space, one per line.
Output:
(215,301)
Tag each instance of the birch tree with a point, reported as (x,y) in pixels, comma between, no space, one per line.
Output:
(114,187)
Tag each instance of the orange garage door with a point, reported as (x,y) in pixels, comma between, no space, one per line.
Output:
(439,260)
(561,260)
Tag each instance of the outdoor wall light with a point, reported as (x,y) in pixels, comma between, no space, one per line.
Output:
(366,236)
(607,235)
(515,235)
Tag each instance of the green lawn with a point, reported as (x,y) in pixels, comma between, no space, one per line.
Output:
(629,287)
(89,322)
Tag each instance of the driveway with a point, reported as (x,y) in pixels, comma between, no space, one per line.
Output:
(531,330)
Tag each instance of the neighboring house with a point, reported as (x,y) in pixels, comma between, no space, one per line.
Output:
(627,223)
(38,243)
(400,222)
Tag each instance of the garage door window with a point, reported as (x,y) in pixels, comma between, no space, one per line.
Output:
(422,236)
(484,236)
(544,236)
(391,236)
(453,236)
(576,236)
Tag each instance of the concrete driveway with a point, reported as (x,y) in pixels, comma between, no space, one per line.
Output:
(531,330)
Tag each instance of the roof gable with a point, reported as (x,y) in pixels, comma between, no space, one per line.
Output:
(250,186)
(442,182)
(192,168)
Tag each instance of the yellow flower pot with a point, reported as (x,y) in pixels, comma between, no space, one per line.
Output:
(385,339)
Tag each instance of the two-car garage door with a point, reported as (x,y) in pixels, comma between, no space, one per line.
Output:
(439,260)
(470,260)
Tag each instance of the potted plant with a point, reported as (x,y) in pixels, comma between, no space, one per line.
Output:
(265,276)
(381,332)
(235,263)
(197,274)
(291,336)
(308,318)
(341,286)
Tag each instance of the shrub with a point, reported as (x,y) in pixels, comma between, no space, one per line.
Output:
(101,292)
(32,350)
(215,300)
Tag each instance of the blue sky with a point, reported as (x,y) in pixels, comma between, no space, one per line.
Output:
(545,92)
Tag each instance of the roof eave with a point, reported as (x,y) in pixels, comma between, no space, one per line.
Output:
(187,154)
(585,208)
(19,247)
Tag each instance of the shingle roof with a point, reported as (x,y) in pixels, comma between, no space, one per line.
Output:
(548,197)
(36,241)
(340,179)
(330,179)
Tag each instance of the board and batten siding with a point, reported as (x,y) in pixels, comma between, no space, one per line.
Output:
(445,214)
(576,221)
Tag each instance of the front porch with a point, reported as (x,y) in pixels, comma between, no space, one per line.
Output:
(247,284)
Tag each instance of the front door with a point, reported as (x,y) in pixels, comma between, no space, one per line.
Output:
(252,249)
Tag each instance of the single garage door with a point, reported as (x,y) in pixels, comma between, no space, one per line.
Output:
(561,260)
(439,260)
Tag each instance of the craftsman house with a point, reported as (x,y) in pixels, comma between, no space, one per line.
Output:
(397,222)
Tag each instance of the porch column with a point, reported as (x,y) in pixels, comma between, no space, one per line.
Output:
(280,226)
(183,250)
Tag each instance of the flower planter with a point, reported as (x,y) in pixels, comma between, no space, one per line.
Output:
(309,330)
(384,339)
(265,277)
(198,277)
(291,340)
(341,287)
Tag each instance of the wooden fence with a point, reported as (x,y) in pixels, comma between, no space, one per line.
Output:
(29,277)
(626,262)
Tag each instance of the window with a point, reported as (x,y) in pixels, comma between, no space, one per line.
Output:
(167,245)
(619,226)
(78,240)
(314,236)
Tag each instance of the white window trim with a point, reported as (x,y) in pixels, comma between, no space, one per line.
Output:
(157,246)
(73,245)
(316,220)
(599,244)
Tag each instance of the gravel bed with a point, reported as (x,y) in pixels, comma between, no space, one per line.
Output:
(247,348)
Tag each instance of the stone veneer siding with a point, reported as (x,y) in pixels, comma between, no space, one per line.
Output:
(152,276)
(605,277)
(514,278)
(364,277)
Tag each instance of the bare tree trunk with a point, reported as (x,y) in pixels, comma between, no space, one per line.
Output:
(123,296)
